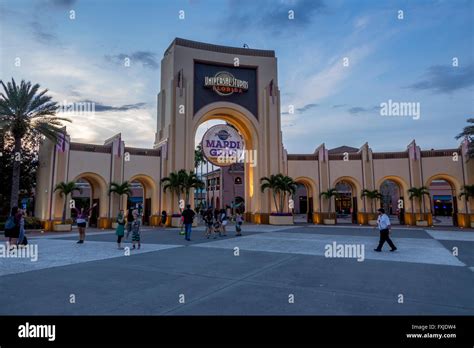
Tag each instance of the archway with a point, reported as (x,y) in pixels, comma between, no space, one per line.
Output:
(395,199)
(304,200)
(443,200)
(94,192)
(347,200)
(144,196)
(246,125)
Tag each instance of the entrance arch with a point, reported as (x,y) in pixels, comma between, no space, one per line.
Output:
(246,124)
(150,198)
(311,201)
(443,200)
(98,194)
(400,193)
(349,202)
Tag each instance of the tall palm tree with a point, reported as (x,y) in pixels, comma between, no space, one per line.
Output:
(468,192)
(468,132)
(273,183)
(66,188)
(331,192)
(120,189)
(418,193)
(372,195)
(190,181)
(199,156)
(25,110)
(174,183)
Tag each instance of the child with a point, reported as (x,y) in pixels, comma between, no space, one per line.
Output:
(238,224)
(135,230)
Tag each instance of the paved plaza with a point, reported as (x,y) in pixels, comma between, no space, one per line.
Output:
(281,270)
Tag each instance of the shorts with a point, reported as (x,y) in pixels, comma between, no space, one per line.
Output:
(81,224)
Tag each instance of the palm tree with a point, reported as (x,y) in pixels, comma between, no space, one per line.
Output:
(24,110)
(174,183)
(372,195)
(418,193)
(120,189)
(331,192)
(273,183)
(468,192)
(288,185)
(65,188)
(199,156)
(189,181)
(468,132)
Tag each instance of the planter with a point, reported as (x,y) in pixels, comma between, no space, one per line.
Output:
(329,221)
(176,221)
(281,220)
(373,222)
(62,228)
(422,223)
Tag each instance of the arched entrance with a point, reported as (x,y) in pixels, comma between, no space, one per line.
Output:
(347,201)
(247,126)
(94,191)
(304,200)
(443,200)
(395,199)
(143,197)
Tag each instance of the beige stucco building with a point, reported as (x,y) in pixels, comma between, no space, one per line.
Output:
(195,80)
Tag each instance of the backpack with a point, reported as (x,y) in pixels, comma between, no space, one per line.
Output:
(10,223)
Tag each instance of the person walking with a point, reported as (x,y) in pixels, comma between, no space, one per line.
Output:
(136,238)
(217,222)
(12,227)
(21,236)
(209,220)
(383,224)
(223,218)
(81,220)
(120,230)
(188,217)
(238,224)
(129,222)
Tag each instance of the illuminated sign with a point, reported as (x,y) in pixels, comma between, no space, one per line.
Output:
(221,143)
(225,84)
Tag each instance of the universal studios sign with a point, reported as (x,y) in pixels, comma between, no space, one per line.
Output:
(222,145)
(225,84)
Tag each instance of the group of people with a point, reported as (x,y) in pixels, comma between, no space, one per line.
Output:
(15,228)
(217,220)
(133,221)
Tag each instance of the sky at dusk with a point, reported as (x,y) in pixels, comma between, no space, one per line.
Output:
(338,61)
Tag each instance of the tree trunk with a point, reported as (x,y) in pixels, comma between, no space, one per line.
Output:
(275,200)
(16,173)
(63,220)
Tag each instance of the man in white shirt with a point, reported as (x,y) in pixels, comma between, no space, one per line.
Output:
(383,224)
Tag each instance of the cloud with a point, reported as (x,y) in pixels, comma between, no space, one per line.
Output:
(360,109)
(307,107)
(273,16)
(99,107)
(338,106)
(41,34)
(62,3)
(446,79)
(146,58)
